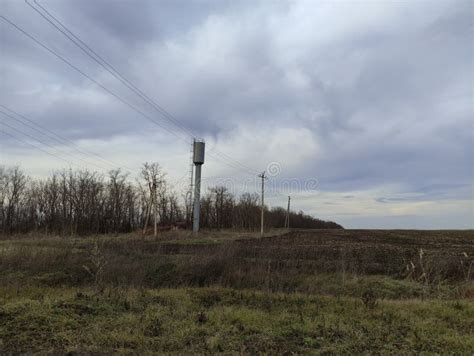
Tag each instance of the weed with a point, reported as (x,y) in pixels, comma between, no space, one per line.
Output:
(201,317)
(369,298)
(153,327)
(97,265)
(466,266)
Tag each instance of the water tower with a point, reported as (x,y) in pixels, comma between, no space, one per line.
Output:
(198,160)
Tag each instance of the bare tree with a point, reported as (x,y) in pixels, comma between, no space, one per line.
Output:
(154,178)
(15,188)
(84,202)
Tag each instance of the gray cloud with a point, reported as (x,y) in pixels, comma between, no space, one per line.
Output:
(361,95)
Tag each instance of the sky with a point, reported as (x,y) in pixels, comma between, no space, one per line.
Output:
(362,111)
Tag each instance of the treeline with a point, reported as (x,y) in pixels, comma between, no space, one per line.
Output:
(83,202)
(221,209)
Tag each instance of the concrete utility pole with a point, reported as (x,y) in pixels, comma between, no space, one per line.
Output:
(287,220)
(263,177)
(148,212)
(155,210)
(197,198)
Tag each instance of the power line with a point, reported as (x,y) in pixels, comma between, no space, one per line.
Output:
(106,65)
(59,140)
(133,107)
(63,139)
(119,76)
(51,146)
(236,164)
(125,102)
(38,148)
(229,162)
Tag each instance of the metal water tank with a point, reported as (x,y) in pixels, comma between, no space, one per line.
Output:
(198,156)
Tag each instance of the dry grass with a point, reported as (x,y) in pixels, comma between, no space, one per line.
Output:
(327,291)
(283,262)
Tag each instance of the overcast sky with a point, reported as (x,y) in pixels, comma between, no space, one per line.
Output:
(364,107)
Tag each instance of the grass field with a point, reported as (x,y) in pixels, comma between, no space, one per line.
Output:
(320,291)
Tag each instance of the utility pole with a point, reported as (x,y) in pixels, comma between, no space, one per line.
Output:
(148,210)
(263,177)
(155,210)
(287,220)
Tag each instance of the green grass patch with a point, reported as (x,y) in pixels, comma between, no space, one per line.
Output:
(227,320)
